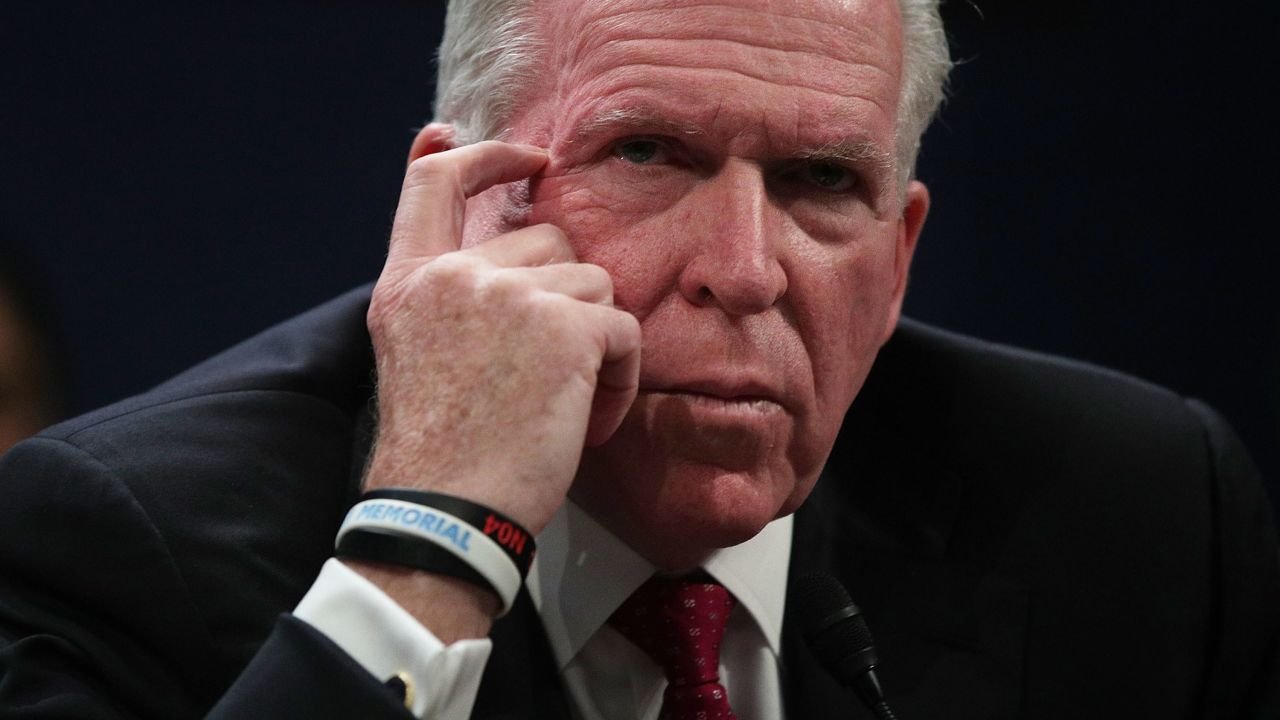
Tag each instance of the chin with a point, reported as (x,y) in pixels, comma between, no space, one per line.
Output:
(675,517)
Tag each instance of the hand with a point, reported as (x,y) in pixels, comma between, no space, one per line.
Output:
(495,363)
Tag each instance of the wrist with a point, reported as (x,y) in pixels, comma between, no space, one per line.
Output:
(439,534)
(400,464)
(450,608)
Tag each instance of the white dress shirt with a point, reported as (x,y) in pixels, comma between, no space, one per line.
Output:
(386,640)
(581,574)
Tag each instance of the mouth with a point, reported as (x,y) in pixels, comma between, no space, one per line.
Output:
(739,403)
(716,396)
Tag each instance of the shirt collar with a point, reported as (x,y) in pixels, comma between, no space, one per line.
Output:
(582,573)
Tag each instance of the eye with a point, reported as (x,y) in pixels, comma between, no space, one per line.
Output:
(641,151)
(828,176)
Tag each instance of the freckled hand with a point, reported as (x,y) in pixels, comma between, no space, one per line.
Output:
(496,363)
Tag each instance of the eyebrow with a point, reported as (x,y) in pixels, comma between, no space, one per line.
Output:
(632,118)
(855,151)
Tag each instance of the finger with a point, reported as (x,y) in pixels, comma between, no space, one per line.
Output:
(533,245)
(619,377)
(580,281)
(429,218)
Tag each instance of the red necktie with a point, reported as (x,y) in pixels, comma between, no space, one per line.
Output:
(679,624)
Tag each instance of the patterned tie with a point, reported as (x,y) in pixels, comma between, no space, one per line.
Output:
(679,623)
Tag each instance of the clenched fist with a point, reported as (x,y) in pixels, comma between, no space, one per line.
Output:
(498,362)
(496,365)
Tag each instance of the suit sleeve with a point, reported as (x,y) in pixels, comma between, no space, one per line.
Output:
(1244,676)
(299,672)
(97,622)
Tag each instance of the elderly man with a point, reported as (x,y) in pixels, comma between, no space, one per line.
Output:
(635,327)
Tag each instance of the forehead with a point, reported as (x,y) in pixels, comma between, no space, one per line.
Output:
(765,73)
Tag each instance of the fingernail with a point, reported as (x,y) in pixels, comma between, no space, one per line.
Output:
(533,148)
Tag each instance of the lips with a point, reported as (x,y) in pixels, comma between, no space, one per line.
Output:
(745,392)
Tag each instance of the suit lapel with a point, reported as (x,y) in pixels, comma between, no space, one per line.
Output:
(883,520)
(883,537)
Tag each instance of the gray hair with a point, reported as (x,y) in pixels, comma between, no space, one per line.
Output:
(490,53)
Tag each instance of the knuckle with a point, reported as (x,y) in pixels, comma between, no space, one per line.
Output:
(557,313)
(599,275)
(384,306)
(503,287)
(551,232)
(432,282)
(626,324)
(431,170)
(630,322)
(553,240)
(449,267)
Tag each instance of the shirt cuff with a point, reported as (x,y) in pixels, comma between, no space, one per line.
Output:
(385,639)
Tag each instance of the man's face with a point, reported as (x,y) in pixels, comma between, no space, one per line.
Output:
(731,165)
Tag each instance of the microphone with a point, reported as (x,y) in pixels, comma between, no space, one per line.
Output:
(837,634)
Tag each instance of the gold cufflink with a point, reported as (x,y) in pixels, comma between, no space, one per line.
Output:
(402,684)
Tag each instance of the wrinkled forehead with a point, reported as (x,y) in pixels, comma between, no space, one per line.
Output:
(839,30)
(779,68)
(758,13)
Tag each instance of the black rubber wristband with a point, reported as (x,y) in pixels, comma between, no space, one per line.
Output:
(514,540)
(409,552)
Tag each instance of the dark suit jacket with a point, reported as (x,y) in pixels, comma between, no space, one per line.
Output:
(1029,537)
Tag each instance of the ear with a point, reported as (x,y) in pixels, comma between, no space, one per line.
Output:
(914,210)
(434,138)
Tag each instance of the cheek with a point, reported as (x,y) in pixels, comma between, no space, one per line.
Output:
(842,310)
(833,228)
(630,193)
(626,231)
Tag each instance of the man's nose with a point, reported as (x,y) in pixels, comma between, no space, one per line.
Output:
(734,233)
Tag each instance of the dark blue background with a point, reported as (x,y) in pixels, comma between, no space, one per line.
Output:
(179,176)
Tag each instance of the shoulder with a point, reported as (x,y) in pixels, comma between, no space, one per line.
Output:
(1012,516)
(323,354)
(255,436)
(967,397)
(1032,458)
(231,475)
(279,405)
